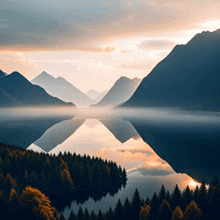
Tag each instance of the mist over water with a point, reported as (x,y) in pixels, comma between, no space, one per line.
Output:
(156,146)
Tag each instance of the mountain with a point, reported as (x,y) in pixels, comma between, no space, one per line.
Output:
(19,132)
(122,130)
(190,147)
(2,74)
(93,94)
(58,133)
(16,90)
(101,96)
(188,77)
(62,89)
(121,91)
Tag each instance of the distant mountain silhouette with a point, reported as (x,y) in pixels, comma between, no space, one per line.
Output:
(101,96)
(58,133)
(188,77)
(93,94)
(188,148)
(121,91)
(23,132)
(16,90)
(2,74)
(122,130)
(62,89)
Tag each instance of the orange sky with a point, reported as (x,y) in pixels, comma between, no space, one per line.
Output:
(93,43)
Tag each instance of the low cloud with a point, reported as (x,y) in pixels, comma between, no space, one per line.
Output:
(136,66)
(148,171)
(156,44)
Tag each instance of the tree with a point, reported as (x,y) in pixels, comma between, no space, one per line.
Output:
(93,216)
(177,214)
(154,207)
(186,197)
(127,210)
(136,205)
(144,213)
(36,205)
(62,217)
(119,212)
(72,216)
(165,212)
(109,215)
(86,214)
(176,198)
(162,194)
(203,200)
(80,215)
(192,212)
(100,215)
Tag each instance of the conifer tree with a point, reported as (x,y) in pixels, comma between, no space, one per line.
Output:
(72,216)
(109,214)
(165,212)
(62,217)
(203,200)
(119,212)
(93,216)
(154,207)
(214,212)
(136,205)
(127,210)
(196,194)
(192,212)
(86,214)
(80,215)
(177,214)
(162,195)
(176,198)
(100,215)
(186,197)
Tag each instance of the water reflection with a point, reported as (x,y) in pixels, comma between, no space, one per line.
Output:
(156,149)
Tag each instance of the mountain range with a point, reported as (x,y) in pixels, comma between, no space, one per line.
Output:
(16,90)
(188,77)
(120,92)
(62,89)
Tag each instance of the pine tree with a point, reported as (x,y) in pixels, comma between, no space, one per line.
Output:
(100,215)
(176,198)
(80,215)
(162,195)
(154,207)
(165,212)
(93,216)
(136,205)
(62,217)
(196,195)
(192,212)
(72,216)
(109,214)
(214,211)
(86,214)
(119,212)
(203,200)
(127,209)
(186,197)
(144,213)
(177,214)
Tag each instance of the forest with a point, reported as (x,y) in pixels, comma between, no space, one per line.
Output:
(61,179)
(200,204)
(38,186)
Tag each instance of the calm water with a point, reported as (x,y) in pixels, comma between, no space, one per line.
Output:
(155,147)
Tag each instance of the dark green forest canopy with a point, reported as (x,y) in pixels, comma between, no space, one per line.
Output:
(63,178)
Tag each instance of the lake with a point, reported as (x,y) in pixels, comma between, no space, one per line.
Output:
(155,146)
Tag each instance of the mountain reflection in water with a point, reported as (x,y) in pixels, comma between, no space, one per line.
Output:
(154,150)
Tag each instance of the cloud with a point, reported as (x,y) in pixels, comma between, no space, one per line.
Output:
(90,25)
(156,44)
(136,66)
(148,171)
(11,62)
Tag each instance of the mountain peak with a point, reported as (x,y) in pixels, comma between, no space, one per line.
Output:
(2,74)
(216,31)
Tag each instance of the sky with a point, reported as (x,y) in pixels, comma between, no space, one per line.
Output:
(92,43)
